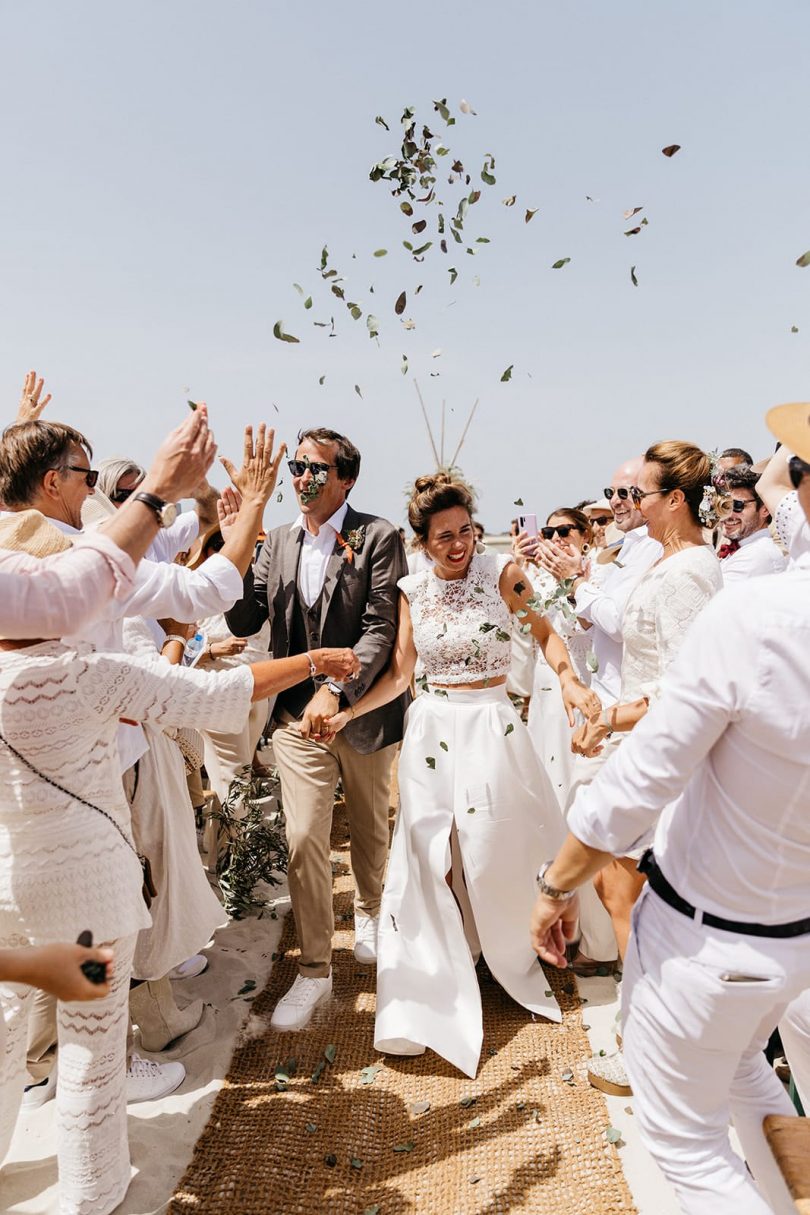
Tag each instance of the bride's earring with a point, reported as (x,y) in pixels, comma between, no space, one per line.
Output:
(586,548)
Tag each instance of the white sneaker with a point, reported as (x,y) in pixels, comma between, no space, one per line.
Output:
(190,968)
(365,938)
(294,1010)
(149,1081)
(37,1094)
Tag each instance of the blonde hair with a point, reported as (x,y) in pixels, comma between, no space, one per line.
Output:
(682,466)
(435,492)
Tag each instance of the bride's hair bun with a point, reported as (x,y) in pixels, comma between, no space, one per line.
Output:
(432,493)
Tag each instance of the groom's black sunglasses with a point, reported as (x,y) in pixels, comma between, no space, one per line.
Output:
(299,467)
(798,469)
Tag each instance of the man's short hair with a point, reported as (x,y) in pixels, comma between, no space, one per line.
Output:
(742,476)
(737,453)
(27,451)
(347,458)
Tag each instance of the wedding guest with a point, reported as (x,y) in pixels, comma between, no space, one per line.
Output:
(732,457)
(720,769)
(671,494)
(778,489)
(749,549)
(600,607)
(600,517)
(118,478)
(331,576)
(476,810)
(64,870)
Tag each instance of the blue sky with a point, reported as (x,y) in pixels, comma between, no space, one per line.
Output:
(172,168)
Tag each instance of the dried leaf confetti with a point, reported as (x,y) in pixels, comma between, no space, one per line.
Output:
(633,278)
(530,214)
(399,306)
(562,261)
(507,375)
(671,149)
(278,332)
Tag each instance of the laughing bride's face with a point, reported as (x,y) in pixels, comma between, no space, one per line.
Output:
(451,542)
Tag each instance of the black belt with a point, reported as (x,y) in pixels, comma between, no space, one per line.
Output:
(649,866)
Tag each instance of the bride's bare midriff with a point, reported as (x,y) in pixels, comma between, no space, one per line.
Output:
(471,687)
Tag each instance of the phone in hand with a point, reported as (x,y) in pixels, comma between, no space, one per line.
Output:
(528,524)
(96,972)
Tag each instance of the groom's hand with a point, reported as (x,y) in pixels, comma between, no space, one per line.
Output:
(323,704)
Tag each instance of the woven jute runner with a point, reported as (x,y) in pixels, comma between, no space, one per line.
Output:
(318,1123)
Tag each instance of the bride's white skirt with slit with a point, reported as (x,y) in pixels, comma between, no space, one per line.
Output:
(467,771)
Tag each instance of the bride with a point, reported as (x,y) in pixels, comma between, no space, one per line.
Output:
(478,815)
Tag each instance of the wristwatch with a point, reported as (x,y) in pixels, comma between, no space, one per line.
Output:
(334,688)
(551,892)
(166,511)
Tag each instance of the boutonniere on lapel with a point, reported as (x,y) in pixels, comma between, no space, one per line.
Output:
(352,542)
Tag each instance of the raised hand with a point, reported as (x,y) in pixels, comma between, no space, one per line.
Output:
(257,477)
(560,562)
(227,509)
(182,459)
(32,402)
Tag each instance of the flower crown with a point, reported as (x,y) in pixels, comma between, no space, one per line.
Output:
(716,503)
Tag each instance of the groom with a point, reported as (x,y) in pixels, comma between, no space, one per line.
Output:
(329,580)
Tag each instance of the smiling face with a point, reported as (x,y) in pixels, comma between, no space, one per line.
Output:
(626,516)
(575,538)
(752,518)
(322,492)
(451,542)
(67,488)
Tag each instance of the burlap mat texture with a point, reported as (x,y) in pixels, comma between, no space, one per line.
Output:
(319,1123)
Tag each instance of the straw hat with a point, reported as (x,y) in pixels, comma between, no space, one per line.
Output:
(598,508)
(791,424)
(28,531)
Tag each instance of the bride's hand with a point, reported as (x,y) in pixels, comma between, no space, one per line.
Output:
(333,725)
(576,696)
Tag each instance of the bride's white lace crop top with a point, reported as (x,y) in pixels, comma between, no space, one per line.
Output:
(462,629)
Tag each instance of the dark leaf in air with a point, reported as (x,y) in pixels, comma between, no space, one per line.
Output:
(507,375)
(278,332)
(671,149)
(510,201)
(632,231)
(381,122)
(804,260)
(357,390)
(399,306)
(530,214)
(633,278)
(419,226)
(406,208)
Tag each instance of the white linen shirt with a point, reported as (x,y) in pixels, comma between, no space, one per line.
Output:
(757,554)
(603,606)
(47,597)
(315,553)
(722,760)
(792,527)
(175,539)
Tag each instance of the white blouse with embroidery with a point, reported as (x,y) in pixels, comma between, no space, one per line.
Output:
(462,628)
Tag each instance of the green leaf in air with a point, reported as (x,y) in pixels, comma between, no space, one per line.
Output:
(406,208)
(804,260)
(299,289)
(404,365)
(373,325)
(423,248)
(508,730)
(431,762)
(453,275)
(278,332)
(380,252)
(321,379)
(471,810)
(444,746)
(381,122)
(507,375)
(308,303)
(794,328)
(563,261)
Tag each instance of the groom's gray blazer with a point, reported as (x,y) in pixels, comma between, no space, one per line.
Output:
(359,608)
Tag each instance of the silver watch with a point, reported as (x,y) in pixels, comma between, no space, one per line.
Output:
(551,892)
(166,511)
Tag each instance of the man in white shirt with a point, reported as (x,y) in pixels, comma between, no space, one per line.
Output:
(749,549)
(600,608)
(720,937)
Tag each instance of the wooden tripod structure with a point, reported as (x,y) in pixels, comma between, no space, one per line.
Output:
(438,453)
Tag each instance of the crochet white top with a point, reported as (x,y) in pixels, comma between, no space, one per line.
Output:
(659,611)
(63,868)
(462,629)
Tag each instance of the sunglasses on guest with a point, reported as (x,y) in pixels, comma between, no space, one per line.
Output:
(738,505)
(90,474)
(798,469)
(563,531)
(623,492)
(600,520)
(299,467)
(120,495)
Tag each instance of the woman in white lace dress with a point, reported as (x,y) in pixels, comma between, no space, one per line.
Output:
(66,868)
(477,811)
(674,488)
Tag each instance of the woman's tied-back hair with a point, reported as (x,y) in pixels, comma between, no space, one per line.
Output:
(435,492)
(576,516)
(30,449)
(682,466)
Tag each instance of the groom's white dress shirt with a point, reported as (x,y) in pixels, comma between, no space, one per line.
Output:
(316,551)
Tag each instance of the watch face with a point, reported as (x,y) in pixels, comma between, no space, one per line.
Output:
(168,514)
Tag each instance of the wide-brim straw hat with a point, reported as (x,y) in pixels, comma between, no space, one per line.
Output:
(791,425)
(28,531)
(97,509)
(597,508)
(196,554)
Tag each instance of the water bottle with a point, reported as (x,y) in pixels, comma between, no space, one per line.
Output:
(194,648)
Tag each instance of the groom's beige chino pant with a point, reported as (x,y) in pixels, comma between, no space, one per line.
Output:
(309,772)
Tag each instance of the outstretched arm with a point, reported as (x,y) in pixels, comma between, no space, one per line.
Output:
(775,482)
(518,596)
(392,683)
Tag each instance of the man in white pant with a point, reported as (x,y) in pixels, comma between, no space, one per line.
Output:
(721,936)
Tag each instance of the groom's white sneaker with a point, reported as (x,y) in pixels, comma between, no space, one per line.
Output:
(365,938)
(295,1009)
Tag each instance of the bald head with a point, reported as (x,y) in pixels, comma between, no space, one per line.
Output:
(626,516)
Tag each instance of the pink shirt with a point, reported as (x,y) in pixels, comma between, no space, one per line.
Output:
(53,596)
